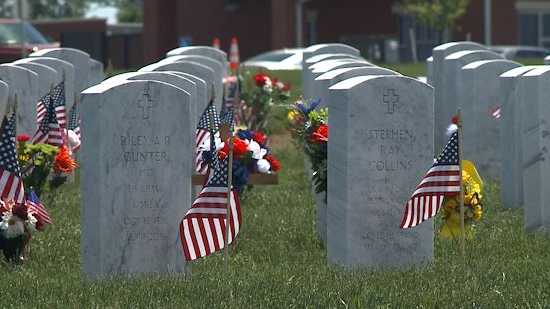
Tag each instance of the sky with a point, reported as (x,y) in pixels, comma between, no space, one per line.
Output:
(107,12)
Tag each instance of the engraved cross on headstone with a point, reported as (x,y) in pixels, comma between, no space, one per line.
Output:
(391,99)
(146,103)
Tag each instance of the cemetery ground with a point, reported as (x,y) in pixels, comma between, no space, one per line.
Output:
(279,263)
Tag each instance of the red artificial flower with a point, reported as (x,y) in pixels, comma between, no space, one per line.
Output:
(63,162)
(23,138)
(275,164)
(260,79)
(455,119)
(320,135)
(239,149)
(286,87)
(259,137)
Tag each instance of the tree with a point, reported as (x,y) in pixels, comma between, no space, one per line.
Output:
(440,15)
(129,11)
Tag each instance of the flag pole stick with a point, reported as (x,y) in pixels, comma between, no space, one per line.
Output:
(228,209)
(462,228)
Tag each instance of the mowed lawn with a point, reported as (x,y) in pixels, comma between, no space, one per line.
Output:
(279,263)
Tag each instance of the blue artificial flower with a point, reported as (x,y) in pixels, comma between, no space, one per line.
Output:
(307,108)
(240,175)
(245,134)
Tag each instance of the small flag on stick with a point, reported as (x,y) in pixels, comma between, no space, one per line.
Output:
(442,180)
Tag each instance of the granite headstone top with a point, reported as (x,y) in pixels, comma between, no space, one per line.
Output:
(380,147)
(511,193)
(134,178)
(535,137)
(201,71)
(323,57)
(429,70)
(79,59)
(446,106)
(67,72)
(206,51)
(4,93)
(23,86)
(97,74)
(322,83)
(479,100)
(47,76)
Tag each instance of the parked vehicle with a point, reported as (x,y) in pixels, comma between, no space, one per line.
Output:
(282,59)
(521,52)
(12,36)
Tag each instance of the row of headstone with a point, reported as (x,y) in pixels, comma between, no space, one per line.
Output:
(31,78)
(505,121)
(381,140)
(142,124)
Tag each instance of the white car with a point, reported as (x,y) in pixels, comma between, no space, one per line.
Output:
(282,59)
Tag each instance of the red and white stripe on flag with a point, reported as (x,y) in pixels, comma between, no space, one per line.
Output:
(40,212)
(201,166)
(53,136)
(60,115)
(425,202)
(40,111)
(203,229)
(12,187)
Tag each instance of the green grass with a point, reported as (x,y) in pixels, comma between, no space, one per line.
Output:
(279,263)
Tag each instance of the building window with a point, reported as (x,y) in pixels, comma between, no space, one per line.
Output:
(534,23)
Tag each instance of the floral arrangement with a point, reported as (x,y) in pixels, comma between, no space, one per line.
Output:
(17,224)
(251,154)
(310,130)
(257,101)
(37,161)
(473,208)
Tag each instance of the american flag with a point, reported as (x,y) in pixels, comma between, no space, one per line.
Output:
(50,130)
(203,229)
(442,180)
(231,94)
(11,183)
(74,124)
(58,103)
(36,208)
(41,108)
(208,126)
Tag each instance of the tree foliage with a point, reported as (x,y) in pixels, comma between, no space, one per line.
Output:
(437,14)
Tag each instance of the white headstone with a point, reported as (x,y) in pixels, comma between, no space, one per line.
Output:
(479,100)
(547,60)
(4,92)
(134,178)
(47,77)
(319,49)
(322,67)
(23,85)
(323,57)
(429,70)
(215,65)
(67,71)
(206,51)
(511,192)
(380,146)
(79,59)
(201,71)
(324,81)
(446,106)
(535,137)
(96,72)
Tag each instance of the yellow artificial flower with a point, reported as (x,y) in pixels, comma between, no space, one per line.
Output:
(292,115)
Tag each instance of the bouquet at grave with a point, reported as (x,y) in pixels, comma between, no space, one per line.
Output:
(251,155)
(259,98)
(309,126)
(18,221)
(473,208)
(37,161)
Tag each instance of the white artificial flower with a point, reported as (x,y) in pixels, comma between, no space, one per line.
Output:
(452,129)
(280,85)
(74,140)
(31,222)
(12,226)
(263,166)
(257,151)
(268,86)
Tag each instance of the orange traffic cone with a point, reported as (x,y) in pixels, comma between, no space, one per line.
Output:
(216,43)
(234,54)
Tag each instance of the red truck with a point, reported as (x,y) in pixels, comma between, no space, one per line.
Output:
(13,33)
